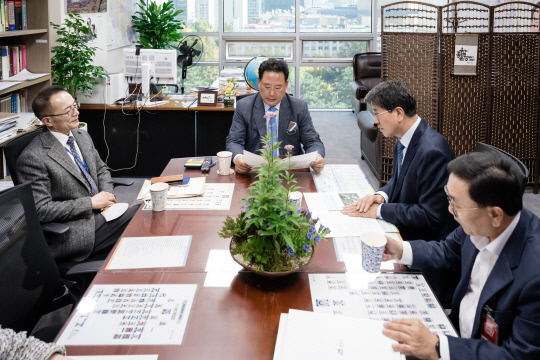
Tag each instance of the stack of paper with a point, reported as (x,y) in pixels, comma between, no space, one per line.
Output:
(25,75)
(195,187)
(8,126)
(308,335)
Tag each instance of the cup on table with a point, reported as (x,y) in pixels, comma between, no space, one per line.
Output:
(224,162)
(372,251)
(296,198)
(158,193)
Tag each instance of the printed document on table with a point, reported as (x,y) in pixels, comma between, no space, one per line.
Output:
(114,357)
(195,187)
(310,335)
(338,223)
(131,314)
(387,296)
(217,196)
(342,178)
(150,252)
(295,162)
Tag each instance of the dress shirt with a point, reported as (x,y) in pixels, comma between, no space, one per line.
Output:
(63,138)
(266,109)
(485,261)
(405,141)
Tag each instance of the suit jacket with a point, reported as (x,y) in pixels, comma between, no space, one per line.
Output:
(62,193)
(417,203)
(249,125)
(514,285)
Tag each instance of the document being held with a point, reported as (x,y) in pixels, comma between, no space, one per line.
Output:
(296,162)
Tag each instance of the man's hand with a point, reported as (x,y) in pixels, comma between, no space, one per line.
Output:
(58,357)
(364,204)
(414,338)
(102,200)
(352,211)
(240,166)
(317,164)
(393,249)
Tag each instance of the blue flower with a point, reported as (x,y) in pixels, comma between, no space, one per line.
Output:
(298,211)
(290,250)
(309,236)
(306,247)
(317,238)
(268,224)
(312,229)
(309,214)
(245,207)
(289,213)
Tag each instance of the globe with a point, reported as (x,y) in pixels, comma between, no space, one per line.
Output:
(251,71)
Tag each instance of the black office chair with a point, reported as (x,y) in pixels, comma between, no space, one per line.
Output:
(518,167)
(29,279)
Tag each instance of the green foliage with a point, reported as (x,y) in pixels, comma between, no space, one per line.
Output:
(71,62)
(271,233)
(157,25)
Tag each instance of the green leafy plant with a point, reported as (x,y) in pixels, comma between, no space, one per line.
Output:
(271,233)
(157,25)
(71,63)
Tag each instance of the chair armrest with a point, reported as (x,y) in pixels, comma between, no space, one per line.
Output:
(90,267)
(366,125)
(122,182)
(54,228)
(360,90)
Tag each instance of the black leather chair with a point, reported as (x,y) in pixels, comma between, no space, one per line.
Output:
(518,167)
(366,74)
(30,285)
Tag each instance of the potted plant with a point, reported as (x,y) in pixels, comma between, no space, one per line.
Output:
(157,25)
(229,90)
(271,235)
(71,63)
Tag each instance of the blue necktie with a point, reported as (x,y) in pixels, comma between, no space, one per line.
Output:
(82,166)
(272,127)
(400,148)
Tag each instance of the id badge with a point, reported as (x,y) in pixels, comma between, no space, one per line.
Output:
(490,329)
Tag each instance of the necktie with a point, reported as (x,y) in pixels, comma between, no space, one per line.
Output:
(400,148)
(272,127)
(84,170)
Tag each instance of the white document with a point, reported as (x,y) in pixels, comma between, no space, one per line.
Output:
(25,120)
(388,227)
(134,314)
(25,75)
(295,162)
(150,252)
(342,178)
(338,223)
(217,196)
(195,187)
(7,84)
(220,269)
(114,357)
(310,335)
(388,296)
(114,211)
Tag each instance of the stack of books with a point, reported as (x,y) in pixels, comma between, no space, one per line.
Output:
(8,126)
(13,15)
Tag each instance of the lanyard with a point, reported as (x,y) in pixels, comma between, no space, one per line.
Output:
(77,159)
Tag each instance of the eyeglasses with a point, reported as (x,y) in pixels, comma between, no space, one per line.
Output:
(71,112)
(384,112)
(453,205)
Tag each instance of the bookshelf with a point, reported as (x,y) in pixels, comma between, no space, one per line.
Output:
(36,39)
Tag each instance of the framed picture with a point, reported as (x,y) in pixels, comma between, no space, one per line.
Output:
(207,98)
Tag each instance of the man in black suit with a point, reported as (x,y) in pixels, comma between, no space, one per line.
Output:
(414,198)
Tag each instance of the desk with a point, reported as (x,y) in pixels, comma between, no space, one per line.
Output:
(173,130)
(236,322)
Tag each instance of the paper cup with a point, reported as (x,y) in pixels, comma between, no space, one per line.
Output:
(158,193)
(296,198)
(224,162)
(372,251)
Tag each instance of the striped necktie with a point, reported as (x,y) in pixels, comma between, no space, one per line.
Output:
(82,166)
(400,148)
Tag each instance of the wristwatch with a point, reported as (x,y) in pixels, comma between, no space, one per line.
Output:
(438,347)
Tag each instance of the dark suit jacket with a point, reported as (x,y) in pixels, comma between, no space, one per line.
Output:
(61,191)
(514,283)
(249,125)
(417,203)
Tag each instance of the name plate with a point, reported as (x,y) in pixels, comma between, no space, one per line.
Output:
(207,98)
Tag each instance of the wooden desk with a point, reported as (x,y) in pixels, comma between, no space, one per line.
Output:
(173,130)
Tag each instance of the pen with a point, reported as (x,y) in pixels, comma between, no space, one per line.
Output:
(214,163)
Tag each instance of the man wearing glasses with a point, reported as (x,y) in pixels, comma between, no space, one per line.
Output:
(70,182)
(496,251)
(413,199)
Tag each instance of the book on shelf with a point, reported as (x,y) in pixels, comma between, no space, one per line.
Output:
(18,15)
(24,17)
(23,56)
(11,15)
(5,61)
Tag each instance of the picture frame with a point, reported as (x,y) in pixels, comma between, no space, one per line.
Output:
(207,98)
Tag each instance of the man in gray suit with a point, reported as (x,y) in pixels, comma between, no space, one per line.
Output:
(70,182)
(272,110)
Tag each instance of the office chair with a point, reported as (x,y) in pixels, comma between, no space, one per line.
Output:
(30,285)
(518,167)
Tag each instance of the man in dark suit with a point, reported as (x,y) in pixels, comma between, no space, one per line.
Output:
(413,199)
(272,110)
(496,249)
(70,182)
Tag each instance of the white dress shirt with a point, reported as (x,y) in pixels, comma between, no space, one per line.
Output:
(485,260)
(405,141)
(63,138)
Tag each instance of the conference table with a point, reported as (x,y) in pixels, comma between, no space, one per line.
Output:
(239,321)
